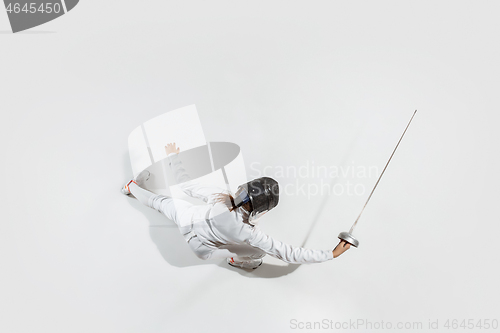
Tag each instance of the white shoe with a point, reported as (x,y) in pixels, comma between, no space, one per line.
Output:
(139,181)
(245,264)
(126,189)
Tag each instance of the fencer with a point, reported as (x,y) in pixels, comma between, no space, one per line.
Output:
(227,225)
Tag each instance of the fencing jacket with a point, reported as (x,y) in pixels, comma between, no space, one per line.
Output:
(220,227)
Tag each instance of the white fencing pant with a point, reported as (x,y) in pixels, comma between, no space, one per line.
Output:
(181,212)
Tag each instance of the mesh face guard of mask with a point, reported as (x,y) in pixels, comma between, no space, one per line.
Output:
(262,193)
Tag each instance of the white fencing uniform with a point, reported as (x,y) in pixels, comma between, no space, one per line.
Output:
(212,231)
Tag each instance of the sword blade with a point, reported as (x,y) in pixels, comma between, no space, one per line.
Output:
(390,158)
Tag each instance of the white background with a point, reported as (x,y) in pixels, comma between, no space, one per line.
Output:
(291,82)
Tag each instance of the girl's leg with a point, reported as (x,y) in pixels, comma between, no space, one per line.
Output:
(243,251)
(141,194)
(245,257)
(173,209)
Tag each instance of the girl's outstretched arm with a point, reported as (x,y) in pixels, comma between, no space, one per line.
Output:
(293,254)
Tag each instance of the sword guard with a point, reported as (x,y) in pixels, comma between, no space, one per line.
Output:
(349,238)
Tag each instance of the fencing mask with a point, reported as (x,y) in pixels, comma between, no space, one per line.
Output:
(262,193)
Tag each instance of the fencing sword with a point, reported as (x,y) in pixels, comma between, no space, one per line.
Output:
(347,236)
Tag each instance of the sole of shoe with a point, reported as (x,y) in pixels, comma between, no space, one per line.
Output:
(230,264)
(124,191)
